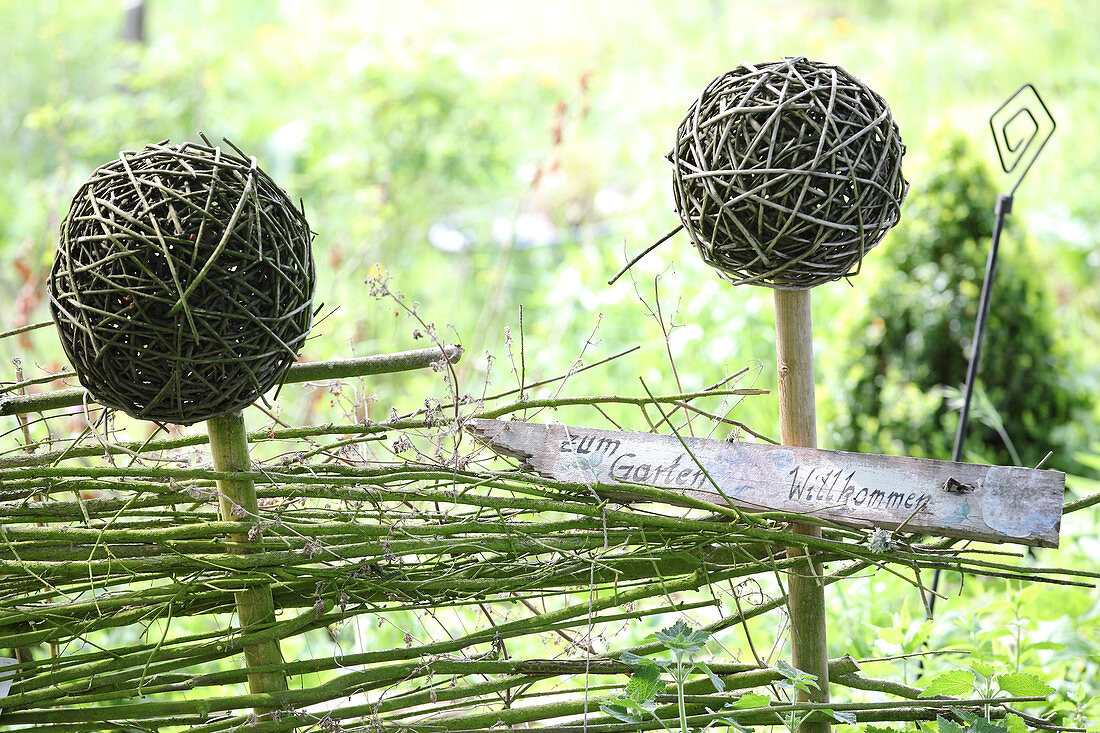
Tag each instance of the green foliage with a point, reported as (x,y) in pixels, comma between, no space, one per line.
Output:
(954,682)
(908,347)
(637,702)
(645,683)
(1022,684)
(988,682)
(683,641)
(977,725)
(1049,633)
(796,679)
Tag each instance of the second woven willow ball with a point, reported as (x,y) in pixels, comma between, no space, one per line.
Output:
(787,173)
(183,282)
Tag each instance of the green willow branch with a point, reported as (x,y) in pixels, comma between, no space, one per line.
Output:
(611,400)
(306,372)
(351,487)
(140,549)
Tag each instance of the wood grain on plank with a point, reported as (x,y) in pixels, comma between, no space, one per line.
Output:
(943,498)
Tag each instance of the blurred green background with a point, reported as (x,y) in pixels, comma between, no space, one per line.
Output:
(488,156)
(492,155)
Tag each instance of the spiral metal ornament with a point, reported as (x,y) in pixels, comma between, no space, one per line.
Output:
(1022,126)
(183,282)
(787,173)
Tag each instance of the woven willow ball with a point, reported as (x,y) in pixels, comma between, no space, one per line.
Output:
(183,282)
(787,173)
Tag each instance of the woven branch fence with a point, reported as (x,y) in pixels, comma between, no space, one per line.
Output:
(421,584)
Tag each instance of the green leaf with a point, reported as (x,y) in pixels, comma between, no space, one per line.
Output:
(632,658)
(751,700)
(842,717)
(985,670)
(644,683)
(714,679)
(683,639)
(796,678)
(981,725)
(947,726)
(788,670)
(954,682)
(1022,684)
(1014,724)
(677,631)
(730,723)
(624,710)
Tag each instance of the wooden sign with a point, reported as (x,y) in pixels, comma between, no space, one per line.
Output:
(943,498)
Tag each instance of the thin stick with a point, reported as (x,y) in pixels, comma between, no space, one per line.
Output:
(668,343)
(644,252)
(237,502)
(24,329)
(798,427)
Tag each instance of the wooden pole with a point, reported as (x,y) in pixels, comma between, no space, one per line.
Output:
(798,427)
(237,502)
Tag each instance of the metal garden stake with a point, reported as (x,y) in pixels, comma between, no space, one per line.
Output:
(1018,125)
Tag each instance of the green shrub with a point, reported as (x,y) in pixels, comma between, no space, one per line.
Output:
(899,387)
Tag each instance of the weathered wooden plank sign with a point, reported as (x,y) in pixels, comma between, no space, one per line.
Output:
(943,498)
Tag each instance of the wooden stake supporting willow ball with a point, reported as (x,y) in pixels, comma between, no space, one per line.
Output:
(183,282)
(787,173)
(182,290)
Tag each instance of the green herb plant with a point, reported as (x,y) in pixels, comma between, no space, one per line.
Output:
(638,701)
(988,682)
(796,680)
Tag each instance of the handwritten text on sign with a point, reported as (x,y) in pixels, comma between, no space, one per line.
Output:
(990,503)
